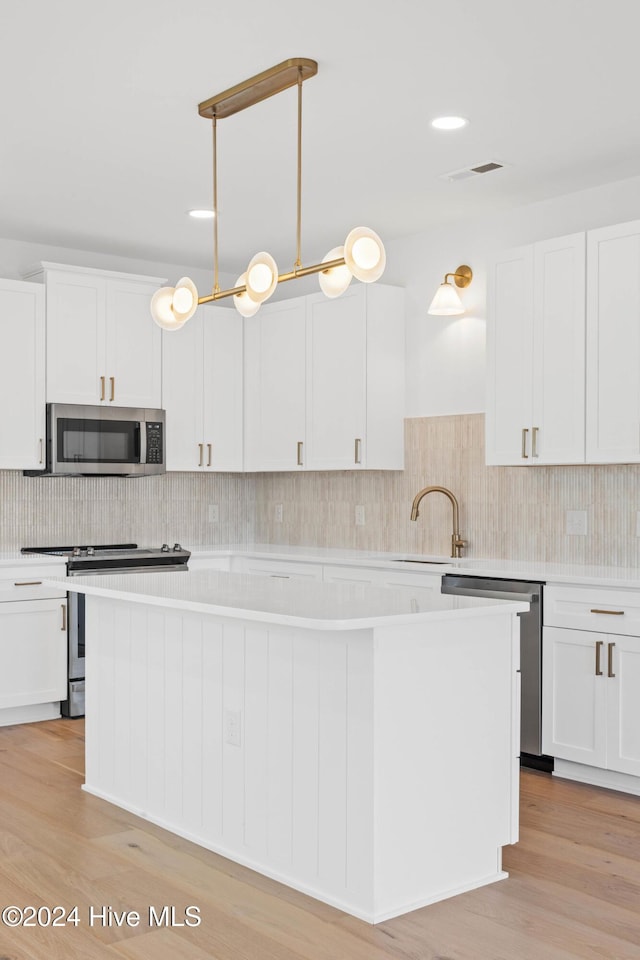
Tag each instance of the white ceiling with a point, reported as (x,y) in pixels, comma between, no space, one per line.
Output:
(101,145)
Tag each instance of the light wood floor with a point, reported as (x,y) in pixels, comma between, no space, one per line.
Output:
(573,890)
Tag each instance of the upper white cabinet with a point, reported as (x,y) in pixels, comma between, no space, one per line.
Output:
(202,391)
(324,382)
(22,378)
(613,344)
(536,354)
(102,345)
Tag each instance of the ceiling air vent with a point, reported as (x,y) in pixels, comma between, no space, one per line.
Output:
(468,172)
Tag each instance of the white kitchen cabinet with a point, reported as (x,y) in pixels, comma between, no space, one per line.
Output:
(325,382)
(202,391)
(613,344)
(102,345)
(33,652)
(536,354)
(275,378)
(22,375)
(591,678)
(416,585)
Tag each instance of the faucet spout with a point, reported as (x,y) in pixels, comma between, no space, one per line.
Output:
(456,542)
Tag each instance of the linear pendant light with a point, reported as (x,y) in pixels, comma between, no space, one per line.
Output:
(362,256)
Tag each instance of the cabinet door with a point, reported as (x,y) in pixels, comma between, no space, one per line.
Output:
(76,307)
(558,420)
(336,381)
(622,669)
(613,344)
(133,365)
(182,370)
(574,722)
(222,388)
(33,652)
(510,358)
(22,384)
(275,345)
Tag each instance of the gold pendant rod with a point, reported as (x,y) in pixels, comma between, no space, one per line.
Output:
(283,278)
(298,262)
(216,285)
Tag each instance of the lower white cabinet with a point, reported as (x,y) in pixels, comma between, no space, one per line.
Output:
(33,652)
(591,678)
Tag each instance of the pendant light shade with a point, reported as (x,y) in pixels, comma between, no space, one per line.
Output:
(185,299)
(335,281)
(446,302)
(245,306)
(364,254)
(261,277)
(162,309)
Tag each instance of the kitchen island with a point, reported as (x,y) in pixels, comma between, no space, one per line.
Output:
(358,744)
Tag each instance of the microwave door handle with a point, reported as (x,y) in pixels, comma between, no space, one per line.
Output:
(143,442)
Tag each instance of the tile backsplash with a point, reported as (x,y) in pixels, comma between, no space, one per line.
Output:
(52,511)
(516,513)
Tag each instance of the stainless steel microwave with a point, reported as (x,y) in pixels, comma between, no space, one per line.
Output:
(102,441)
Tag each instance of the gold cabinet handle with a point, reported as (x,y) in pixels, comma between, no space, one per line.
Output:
(103,384)
(608,613)
(599,646)
(209,453)
(63,607)
(112,381)
(534,441)
(525,432)
(610,647)
(201,460)
(300,446)
(357,453)
(28,583)
(41,450)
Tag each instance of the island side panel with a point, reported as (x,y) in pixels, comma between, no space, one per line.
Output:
(254,741)
(446,749)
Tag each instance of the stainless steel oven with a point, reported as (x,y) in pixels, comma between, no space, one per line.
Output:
(99,561)
(102,441)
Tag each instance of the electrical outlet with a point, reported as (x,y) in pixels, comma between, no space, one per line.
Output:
(277,513)
(576,523)
(214,513)
(233,727)
(360,516)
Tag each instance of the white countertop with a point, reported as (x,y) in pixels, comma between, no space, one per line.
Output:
(13,558)
(301,603)
(628,577)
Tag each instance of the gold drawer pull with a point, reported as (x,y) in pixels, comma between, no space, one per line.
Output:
(63,607)
(102,387)
(112,381)
(599,646)
(534,442)
(610,613)
(201,449)
(299,459)
(357,455)
(28,583)
(525,434)
(610,647)
(210,453)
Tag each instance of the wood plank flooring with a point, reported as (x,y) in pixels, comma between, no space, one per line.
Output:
(573,890)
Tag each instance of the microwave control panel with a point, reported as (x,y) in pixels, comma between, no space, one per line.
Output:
(154,442)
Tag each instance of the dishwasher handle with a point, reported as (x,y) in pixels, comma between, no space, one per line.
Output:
(492,594)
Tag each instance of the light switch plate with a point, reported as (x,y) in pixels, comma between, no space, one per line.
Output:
(277,513)
(576,523)
(214,513)
(359,516)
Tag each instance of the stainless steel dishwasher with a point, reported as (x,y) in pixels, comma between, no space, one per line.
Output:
(530,653)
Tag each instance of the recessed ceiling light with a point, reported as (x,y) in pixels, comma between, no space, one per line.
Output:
(201,214)
(449,123)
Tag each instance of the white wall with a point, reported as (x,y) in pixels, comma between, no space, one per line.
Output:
(446,357)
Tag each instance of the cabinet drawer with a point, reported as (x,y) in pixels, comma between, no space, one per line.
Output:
(598,609)
(26,583)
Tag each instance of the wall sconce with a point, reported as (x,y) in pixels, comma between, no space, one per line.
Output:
(447,302)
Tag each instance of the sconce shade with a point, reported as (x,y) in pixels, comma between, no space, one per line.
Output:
(261,277)
(335,281)
(245,306)
(446,302)
(364,254)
